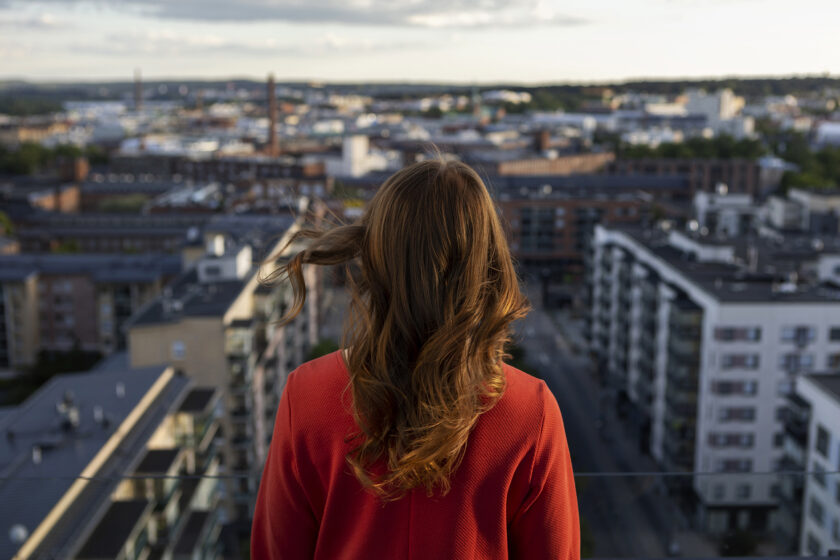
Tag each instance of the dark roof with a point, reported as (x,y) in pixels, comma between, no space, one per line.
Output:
(195,299)
(830,383)
(66,453)
(197,400)
(191,534)
(114,529)
(731,282)
(113,268)
(157,461)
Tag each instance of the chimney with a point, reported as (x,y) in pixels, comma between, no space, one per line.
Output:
(138,90)
(272,118)
(543,140)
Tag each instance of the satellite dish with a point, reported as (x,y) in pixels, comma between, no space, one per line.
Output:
(18,534)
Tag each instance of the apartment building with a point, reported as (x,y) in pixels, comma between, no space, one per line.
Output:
(56,302)
(810,516)
(704,337)
(743,176)
(73,457)
(216,322)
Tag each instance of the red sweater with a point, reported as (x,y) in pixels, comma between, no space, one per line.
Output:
(512,496)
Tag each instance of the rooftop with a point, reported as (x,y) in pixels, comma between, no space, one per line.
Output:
(191,298)
(69,420)
(766,281)
(100,267)
(830,383)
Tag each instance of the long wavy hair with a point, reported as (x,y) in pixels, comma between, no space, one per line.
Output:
(433,292)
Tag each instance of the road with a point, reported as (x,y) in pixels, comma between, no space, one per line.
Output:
(627,516)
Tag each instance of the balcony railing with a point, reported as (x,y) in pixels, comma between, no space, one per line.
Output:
(646,513)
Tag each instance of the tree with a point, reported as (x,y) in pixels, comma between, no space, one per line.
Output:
(324,347)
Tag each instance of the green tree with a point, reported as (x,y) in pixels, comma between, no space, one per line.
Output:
(324,347)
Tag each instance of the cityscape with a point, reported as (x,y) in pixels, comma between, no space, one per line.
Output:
(678,240)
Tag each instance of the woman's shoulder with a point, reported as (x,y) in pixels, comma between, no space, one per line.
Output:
(522,386)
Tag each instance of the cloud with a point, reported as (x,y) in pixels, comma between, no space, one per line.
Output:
(409,13)
(45,21)
(171,44)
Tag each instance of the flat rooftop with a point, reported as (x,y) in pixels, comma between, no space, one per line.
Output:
(829,382)
(194,299)
(30,487)
(735,282)
(102,268)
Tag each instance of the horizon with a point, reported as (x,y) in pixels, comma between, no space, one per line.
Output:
(327,82)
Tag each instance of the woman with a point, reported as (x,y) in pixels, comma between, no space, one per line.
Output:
(418,441)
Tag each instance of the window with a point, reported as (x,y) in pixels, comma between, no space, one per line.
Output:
(743,491)
(793,361)
(834,361)
(813,545)
(785,387)
(799,334)
(734,387)
(744,414)
(778,439)
(819,473)
(816,511)
(734,465)
(178,350)
(747,361)
(731,439)
(733,334)
(834,334)
(822,441)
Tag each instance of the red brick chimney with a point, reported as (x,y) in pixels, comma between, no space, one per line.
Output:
(272,118)
(138,90)
(543,140)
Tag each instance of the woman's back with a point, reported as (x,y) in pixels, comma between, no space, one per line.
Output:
(513,493)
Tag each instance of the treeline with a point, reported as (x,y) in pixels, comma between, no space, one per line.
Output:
(30,157)
(817,168)
(23,106)
(719,147)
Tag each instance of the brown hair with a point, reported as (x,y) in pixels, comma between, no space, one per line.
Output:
(430,312)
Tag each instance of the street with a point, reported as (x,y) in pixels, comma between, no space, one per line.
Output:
(627,516)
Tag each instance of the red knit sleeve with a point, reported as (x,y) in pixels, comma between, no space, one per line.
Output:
(546,524)
(284,525)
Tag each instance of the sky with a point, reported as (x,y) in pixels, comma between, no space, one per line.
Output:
(458,41)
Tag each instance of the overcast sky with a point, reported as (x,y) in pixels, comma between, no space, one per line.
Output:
(529,41)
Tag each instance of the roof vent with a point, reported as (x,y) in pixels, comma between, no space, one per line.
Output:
(120,390)
(68,411)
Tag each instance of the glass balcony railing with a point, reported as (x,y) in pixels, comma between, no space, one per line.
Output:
(624,514)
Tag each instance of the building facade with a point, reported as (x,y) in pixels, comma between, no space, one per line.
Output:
(706,348)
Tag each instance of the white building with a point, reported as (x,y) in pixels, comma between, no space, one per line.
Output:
(724,214)
(357,159)
(718,106)
(820,511)
(704,339)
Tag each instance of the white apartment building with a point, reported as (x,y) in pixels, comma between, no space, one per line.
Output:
(820,511)
(705,337)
